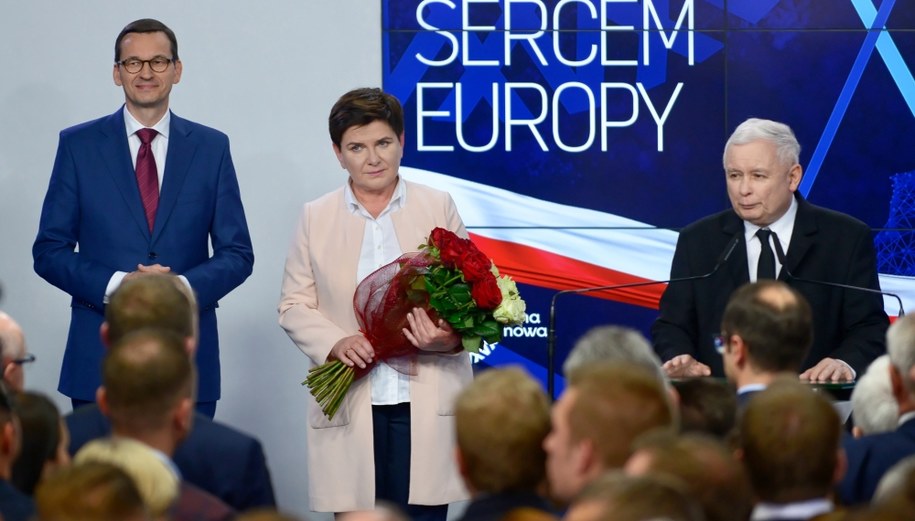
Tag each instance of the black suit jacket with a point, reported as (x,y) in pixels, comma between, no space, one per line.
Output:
(215,457)
(494,507)
(825,245)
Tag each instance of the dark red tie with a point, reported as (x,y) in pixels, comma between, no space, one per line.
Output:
(147,176)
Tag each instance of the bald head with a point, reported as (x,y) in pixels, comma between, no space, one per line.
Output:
(773,321)
(12,347)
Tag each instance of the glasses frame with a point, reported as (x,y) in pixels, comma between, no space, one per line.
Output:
(720,341)
(27,359)
(144,63)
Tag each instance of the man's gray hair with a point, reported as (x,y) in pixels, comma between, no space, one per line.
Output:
(900,345)
(787,149)
(896,482)
(613,344)
(873,407)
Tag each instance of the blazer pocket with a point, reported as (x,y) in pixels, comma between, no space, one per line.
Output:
(454,373)
(317,419)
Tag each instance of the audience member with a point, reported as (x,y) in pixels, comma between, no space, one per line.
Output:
(707,405)
(612,344)
(617,497)
(156,481)
(215,457)
(501,420)
(268,514)
(13,353)
(766,331)
(790,443)
(147,393)
(44,441)
(14,505)
(707,469)
(898,484)
(873,408)
(90,492)
(604,408)
(383,511)
(869,457)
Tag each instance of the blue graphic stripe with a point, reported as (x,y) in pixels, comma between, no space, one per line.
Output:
(848,90)
(890,54)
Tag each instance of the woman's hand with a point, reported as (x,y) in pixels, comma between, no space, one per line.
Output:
(429,336)
(353,350)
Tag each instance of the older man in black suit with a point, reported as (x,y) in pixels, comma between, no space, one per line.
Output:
(769,218)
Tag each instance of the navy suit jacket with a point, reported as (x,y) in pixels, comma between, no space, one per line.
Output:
(93,225)
(870,457)
(826,246)
(215,457)
(494,507)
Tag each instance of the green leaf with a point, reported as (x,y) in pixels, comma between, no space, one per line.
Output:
(471,343)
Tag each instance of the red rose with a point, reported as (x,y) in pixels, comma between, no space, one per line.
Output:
(486,293)
(474,265)
(449,245)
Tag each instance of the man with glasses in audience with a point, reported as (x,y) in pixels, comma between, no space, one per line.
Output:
(766,332)
(13,353)
(141,191)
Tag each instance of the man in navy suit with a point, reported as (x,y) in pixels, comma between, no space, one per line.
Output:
(766,331)
(767,219)
(870,457)
(215,457)
(103,223)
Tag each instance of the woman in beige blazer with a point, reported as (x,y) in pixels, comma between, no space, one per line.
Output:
(341,237)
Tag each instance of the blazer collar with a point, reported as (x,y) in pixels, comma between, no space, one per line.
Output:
(115,155)
(180,155)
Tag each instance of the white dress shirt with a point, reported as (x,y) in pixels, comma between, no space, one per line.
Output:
(783,228)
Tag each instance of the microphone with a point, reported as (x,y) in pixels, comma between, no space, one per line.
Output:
(551,332)
(780,253)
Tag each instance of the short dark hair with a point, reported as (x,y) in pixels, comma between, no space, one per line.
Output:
(360,107)
(152,301)
(708,406)
(40,421)
(146,25)
(93,490)
(146,374)
(777,330)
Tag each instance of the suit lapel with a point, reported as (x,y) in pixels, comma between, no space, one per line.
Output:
(736,267)
(115,153)
(177,166)
(805,229)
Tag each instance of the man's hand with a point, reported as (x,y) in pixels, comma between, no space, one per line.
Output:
(828,370)
(684,366)
(429,336)
(353,350)
(147,270)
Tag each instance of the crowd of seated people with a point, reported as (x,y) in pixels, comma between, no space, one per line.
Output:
(622,442)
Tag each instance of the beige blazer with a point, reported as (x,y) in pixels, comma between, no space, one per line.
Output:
(316,310)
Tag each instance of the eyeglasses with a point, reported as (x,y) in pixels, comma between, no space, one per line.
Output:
(27,359)
(135,65)
(721,342)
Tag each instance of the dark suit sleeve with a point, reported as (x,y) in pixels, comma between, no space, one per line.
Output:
(863,321)
(676,329)
(54,251)
(259,492)
(233,256)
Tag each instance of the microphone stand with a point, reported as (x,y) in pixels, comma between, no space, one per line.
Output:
(551,332)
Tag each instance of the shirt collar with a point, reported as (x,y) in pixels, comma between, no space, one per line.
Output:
(398,199)
(906,417)
(133,125)
(750,388)
(798,510)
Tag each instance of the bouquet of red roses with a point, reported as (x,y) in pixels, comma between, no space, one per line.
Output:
(451,279)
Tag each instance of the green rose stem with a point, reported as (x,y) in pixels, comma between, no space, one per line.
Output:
(328,383)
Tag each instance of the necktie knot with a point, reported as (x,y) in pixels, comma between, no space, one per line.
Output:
(146,135)
(763,234)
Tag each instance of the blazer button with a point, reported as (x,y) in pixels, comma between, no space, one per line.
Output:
(153,255)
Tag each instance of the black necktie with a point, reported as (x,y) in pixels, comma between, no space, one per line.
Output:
(766,267)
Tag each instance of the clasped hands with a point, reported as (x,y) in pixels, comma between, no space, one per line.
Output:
(147,270)
(423,333)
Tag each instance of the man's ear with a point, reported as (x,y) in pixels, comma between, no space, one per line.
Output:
(101,398)
(586,458)
(841,466)
(103,332)
(190,345)
(739,350)
(896,385)
(184,417)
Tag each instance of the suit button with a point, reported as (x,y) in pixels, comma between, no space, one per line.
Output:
(153,255)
